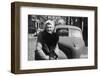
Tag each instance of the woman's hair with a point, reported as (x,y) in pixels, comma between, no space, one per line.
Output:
(49,22)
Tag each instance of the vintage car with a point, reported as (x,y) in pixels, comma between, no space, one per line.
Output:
(70,40)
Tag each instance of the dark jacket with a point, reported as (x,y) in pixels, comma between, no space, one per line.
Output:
(48,42)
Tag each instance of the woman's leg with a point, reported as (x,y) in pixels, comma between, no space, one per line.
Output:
(60,53)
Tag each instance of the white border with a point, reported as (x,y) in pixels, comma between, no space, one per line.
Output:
(25,64)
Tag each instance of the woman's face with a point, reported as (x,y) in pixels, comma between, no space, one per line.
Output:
(50,28)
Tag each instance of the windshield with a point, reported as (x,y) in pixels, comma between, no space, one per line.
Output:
(63,32)
(71,32)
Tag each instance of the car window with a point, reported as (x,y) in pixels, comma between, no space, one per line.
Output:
(63,31)
(75,33)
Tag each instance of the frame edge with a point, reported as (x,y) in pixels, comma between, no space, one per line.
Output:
(14,59)
(12,37)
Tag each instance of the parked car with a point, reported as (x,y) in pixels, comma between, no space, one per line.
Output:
(70,40)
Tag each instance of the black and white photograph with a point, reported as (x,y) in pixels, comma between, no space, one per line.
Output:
(52,37)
